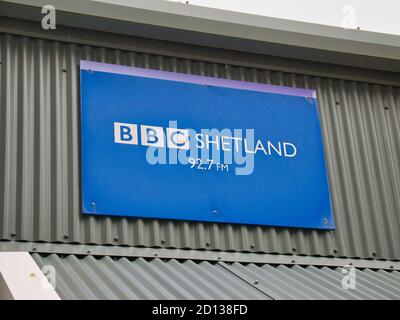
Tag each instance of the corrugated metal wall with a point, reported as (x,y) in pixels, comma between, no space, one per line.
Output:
(40,152)
(107,278)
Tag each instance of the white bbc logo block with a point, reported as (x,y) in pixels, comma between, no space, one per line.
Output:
(152,136)
(178,138)
(125,133)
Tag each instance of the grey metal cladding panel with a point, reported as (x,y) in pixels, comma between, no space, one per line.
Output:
(296,282)
(107,278)
(40,162)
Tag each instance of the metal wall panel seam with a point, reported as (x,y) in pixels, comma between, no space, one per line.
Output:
(253,284)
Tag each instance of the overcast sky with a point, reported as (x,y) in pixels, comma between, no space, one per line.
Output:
(372,15)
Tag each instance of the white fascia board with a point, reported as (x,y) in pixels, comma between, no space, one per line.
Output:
(22,279)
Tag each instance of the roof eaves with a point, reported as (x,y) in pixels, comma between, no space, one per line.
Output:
(165,20)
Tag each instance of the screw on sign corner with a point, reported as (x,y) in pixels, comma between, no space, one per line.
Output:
(325,221)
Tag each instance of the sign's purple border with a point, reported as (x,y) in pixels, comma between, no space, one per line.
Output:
(183,77)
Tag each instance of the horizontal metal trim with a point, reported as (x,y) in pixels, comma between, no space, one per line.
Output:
(199,52)
(136,252)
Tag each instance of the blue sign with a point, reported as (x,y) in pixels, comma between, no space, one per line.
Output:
(165,145)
